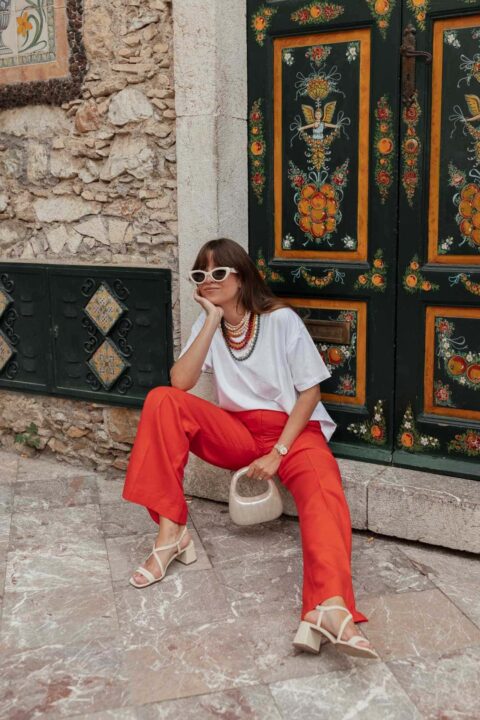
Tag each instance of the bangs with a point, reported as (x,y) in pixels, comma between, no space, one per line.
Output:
(221,256)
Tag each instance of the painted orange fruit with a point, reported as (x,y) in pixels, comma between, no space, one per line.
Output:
(260,23)
(256,148)
(426,285)
(377,279)
(332,207)
(304,207)
(457,365)
(469,191)
(418,3)
(407,439)
(305,223)
(318,229)
(476,201)
(376,431)
(327,190)
(411,280)
(330,224)
(308,191)
(319,201)
(466,227)
(465,208)
(335,355)
(473,373)
(382,6)
(385,146)
(315,11)
(318,215)
(476,236)
(476,220)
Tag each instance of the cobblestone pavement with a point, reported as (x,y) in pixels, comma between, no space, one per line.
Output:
(213,639)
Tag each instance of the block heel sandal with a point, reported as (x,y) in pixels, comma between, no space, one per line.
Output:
(186,556)
(310,636)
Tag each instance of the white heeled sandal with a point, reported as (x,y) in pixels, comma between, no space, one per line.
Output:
(309,636)
(185,556)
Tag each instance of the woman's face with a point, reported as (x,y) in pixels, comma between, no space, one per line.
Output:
(219,293)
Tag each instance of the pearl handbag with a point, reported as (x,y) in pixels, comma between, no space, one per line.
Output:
(250,510)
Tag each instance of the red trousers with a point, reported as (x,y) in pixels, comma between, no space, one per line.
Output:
(174,422)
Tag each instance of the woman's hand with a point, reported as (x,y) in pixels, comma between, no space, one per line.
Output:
(211,309)
(265,467)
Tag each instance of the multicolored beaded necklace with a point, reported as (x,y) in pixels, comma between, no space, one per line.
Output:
(249,326)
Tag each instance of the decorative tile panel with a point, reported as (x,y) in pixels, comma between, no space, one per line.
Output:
(107,364)
(6,351)
(104,309)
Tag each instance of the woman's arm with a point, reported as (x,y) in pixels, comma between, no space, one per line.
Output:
(186,371)
(266,466)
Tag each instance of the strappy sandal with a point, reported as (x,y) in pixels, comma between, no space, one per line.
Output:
(185,556)
(309,636)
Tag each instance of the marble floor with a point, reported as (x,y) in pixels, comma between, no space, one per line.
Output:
(213,639)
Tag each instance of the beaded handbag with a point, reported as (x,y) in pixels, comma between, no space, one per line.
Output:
(250,510)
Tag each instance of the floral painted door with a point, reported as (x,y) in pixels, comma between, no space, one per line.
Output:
(355,216)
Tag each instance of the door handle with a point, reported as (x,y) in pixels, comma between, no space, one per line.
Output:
(409,55)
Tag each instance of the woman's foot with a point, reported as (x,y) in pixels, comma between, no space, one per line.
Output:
(166,538)
(332,620)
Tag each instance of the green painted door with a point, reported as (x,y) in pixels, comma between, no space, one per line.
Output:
(363,202)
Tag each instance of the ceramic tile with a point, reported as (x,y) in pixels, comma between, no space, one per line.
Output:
(62,680)
(180,600)
(125,518)
(380,566)
(180,662)
(53,527)
(244,703)
(442,686)
(71,614)
(418,623)
(55,493)
(40,470)
(254,588)
(367,691)
(456,574)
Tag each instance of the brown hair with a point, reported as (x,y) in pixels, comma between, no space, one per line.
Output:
(254,293)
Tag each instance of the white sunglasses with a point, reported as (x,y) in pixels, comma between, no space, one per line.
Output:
(218,274)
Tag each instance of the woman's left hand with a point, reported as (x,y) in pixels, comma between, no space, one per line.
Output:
(265,467)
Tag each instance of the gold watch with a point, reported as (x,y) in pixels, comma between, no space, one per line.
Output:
(282,449)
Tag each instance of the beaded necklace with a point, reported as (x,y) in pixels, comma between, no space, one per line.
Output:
(247,344)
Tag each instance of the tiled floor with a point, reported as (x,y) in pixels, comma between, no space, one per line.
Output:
(213,640)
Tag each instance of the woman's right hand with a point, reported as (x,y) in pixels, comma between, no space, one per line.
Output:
(214,310)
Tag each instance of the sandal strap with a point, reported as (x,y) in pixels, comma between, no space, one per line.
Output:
(171,545)
(356,639)
(345,621)
(146,573)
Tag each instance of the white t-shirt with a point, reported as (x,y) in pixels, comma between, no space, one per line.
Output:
(283,362)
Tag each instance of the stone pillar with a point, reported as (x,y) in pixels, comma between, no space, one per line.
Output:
(210,56)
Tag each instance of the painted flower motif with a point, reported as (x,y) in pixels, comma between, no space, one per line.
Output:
(23,24)
(288,58)
(352,51)
(288,241)
(383,178)
(450,38)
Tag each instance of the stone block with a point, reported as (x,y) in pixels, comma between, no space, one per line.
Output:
(435,509)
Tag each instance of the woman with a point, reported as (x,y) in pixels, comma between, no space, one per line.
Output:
(269,416)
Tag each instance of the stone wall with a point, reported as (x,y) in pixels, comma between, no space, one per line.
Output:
(94,181)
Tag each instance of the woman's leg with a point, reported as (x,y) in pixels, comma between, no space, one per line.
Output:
(172,423)
(311,474)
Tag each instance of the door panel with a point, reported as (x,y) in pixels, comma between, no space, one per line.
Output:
(438,310)
(365,212)
(323,193)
